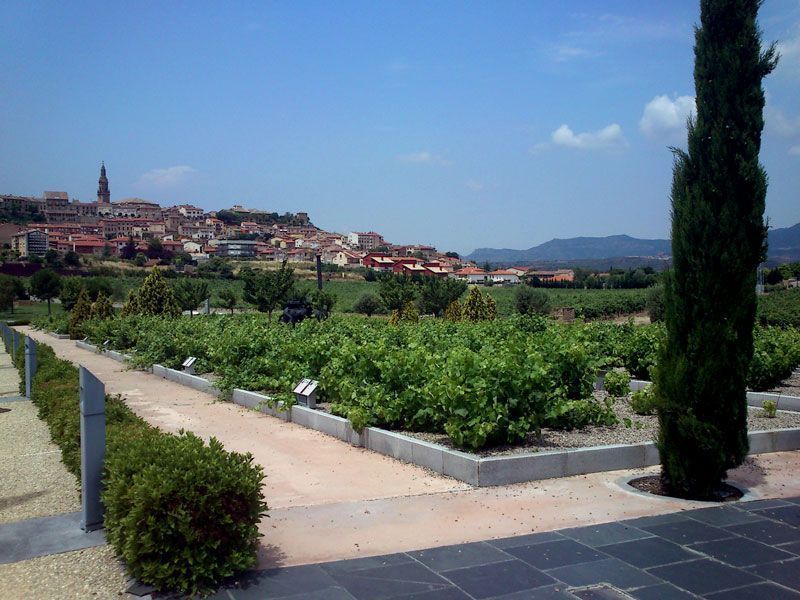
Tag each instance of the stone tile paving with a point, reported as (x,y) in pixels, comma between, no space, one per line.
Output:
(751,550)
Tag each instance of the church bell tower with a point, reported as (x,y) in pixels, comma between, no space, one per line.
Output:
(103,193)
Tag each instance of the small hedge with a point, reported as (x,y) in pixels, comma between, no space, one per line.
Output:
(182,514)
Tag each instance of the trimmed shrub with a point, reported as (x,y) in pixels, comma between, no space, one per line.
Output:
(617,383)
(183,515)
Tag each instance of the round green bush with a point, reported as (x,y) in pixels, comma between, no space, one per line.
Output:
(530,301)
(183,515)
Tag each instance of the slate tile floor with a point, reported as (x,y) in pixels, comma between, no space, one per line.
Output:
(751,550)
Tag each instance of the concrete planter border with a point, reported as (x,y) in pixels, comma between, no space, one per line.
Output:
(58,336)
(756,399)
(195,382)
(470,468)
(86,346)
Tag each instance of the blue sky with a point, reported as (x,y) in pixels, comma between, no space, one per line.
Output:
(462,124)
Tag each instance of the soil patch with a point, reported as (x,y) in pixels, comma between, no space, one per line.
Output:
(652,484)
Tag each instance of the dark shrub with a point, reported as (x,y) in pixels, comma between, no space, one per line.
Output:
(655,304)
(532,301)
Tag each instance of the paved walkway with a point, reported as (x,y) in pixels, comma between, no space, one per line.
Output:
(750,550)
(331,501)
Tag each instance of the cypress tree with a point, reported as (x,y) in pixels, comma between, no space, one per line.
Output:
(718,240)
(82,311)
(102,308)
(155,297)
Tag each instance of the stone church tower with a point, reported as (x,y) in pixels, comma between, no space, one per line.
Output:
(103,193)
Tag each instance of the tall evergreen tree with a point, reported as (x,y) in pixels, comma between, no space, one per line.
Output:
(718,240)
(155,297)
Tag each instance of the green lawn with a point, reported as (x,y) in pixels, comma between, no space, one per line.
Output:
(348,292)
(27,312)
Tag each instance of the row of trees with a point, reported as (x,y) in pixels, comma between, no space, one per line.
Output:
(429,295)
(781,273)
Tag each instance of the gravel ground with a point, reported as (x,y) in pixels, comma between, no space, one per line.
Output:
(90,573)
(789,386)
(9,377)
(34,481)
(642,429)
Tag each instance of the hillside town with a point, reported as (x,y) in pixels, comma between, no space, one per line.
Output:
(31,226)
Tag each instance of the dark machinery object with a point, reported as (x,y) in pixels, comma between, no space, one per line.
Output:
(295,311)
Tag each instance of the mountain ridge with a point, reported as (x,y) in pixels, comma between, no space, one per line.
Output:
(784,245)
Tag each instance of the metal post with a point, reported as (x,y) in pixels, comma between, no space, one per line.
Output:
(93,448)
(30,365)
(319,271)
(207,306)
(15,344)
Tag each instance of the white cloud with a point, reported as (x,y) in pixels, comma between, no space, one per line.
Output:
(665,118)
(565,52)
(789,50)
(423,157)
(473,185)
(605,139)
(168,177)
(777,122)
(540,147)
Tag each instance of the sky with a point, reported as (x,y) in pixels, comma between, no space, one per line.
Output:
(459,124)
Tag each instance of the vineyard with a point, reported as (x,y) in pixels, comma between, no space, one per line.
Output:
(480,383)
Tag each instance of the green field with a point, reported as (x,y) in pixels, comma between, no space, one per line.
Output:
(589,303)
(29,311)
(594,303)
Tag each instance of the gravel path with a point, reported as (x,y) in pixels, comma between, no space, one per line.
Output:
(34,481)
(90,573)
(9,378)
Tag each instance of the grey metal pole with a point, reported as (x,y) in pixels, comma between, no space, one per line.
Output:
(207,306)
(15,344)
(30,365)
(93,448)
(319,271)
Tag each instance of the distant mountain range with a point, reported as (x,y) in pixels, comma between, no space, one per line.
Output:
(784,245)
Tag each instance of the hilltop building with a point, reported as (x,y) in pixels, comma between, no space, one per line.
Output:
(103,193)
(29,243)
